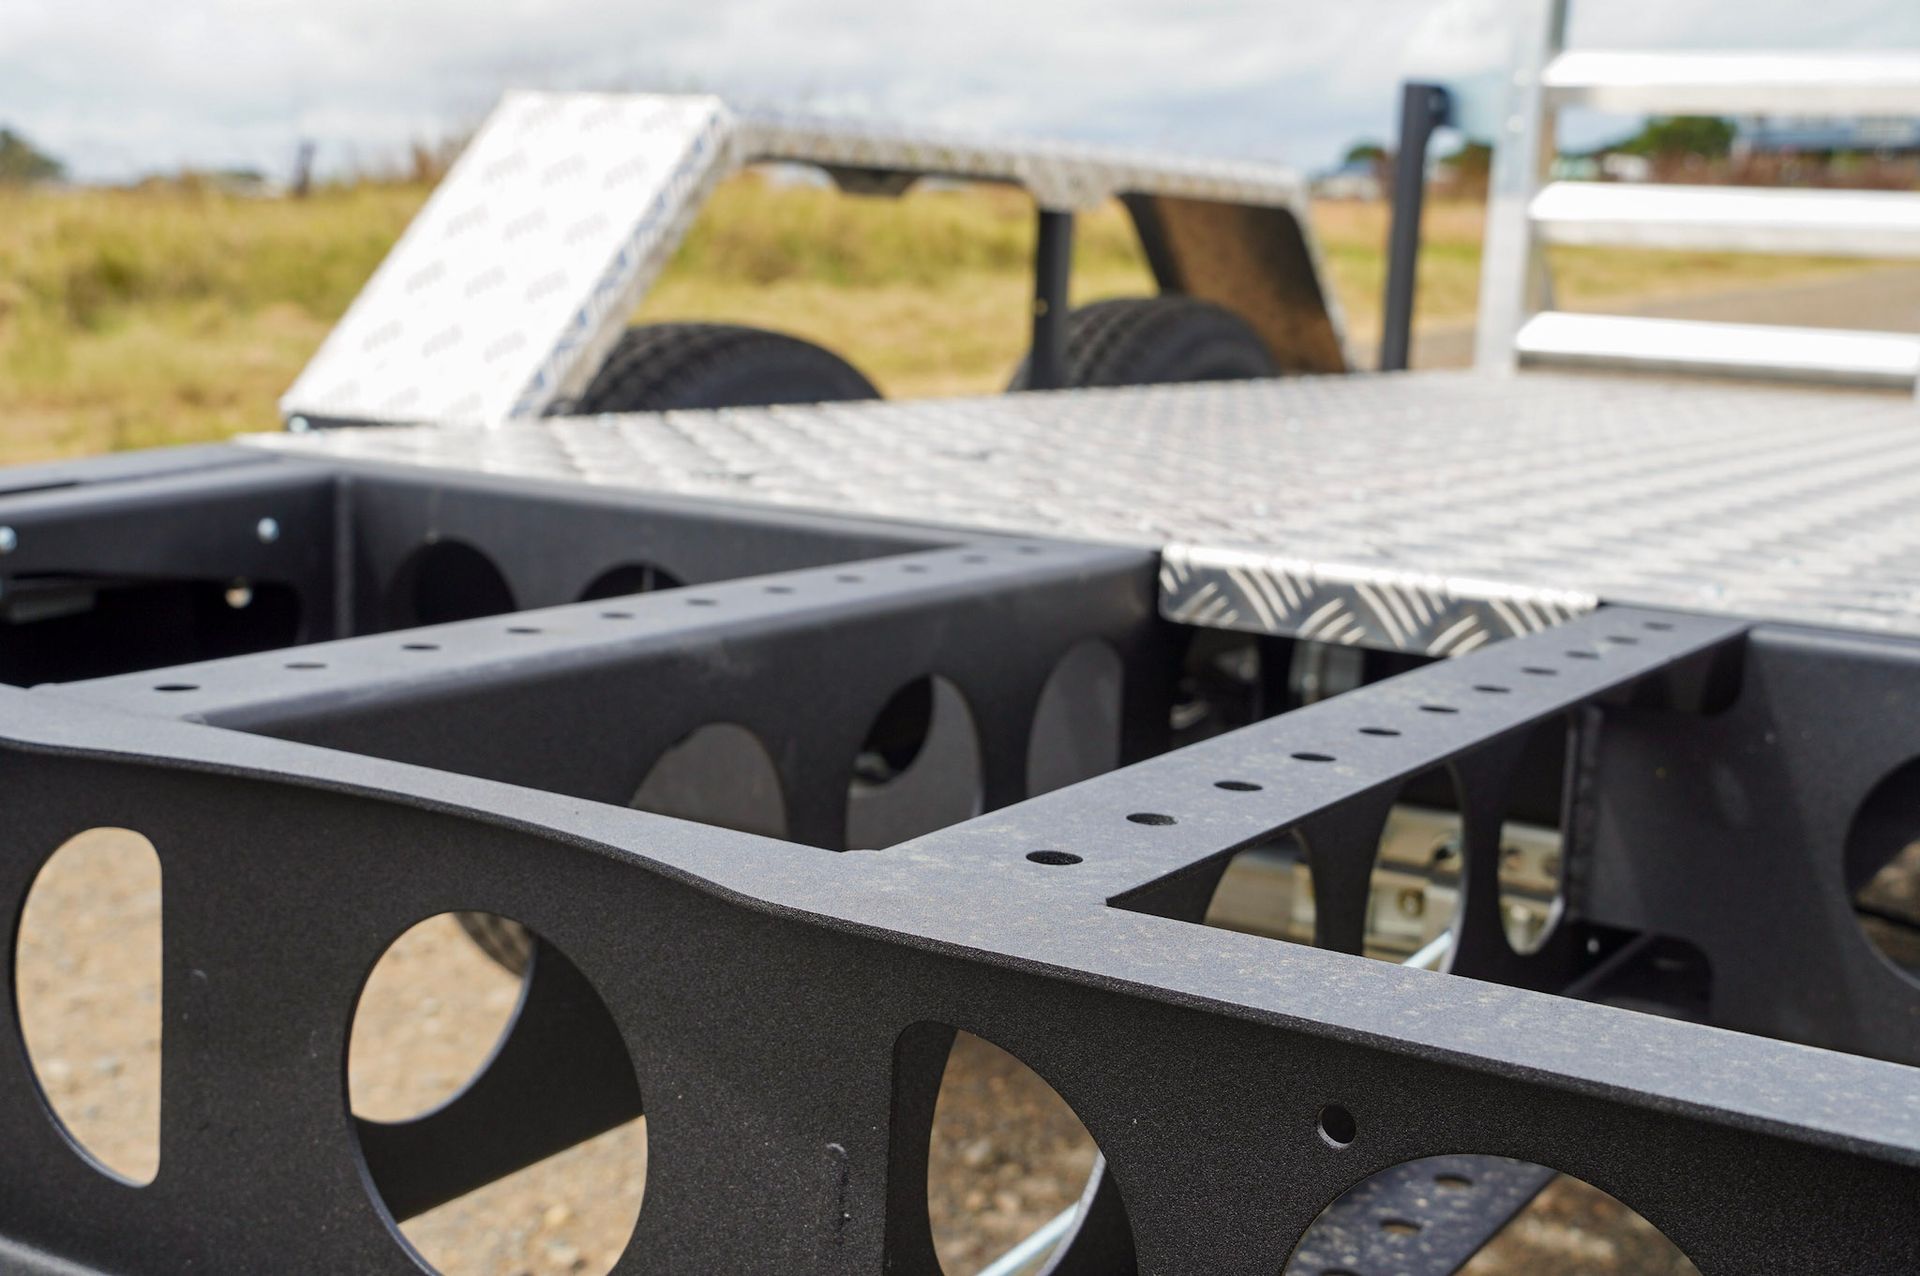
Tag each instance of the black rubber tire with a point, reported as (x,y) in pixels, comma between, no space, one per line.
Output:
(662,367)
(508,942)
(1158,341)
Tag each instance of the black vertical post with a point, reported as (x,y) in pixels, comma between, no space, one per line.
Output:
(1423,108)
(1052,257)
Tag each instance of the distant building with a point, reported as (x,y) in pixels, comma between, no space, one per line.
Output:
(1622,167)
(1895,138)
(1357,179)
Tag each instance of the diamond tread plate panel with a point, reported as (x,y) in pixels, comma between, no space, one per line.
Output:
(524,262)
(1061,175)
(1426,511)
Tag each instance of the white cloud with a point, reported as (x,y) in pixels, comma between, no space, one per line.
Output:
(120,87)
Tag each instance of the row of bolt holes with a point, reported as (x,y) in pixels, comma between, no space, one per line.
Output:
(1061,859)
(1338,1126)
(847,578)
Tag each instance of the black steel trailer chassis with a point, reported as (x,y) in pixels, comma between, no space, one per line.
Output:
(781,1011)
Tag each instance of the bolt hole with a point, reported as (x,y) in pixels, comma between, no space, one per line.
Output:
(849,579)
(1312,757)
(305,664)
(1399,1226)
(1380,731)
(419,646)
(778,589)
(616,615)
(1237,786)
(1584,655)
(1624,640)
(1151,817)
(1452,1182)
(973,558)
(522,629)
(1659,626)
(1337,1125)
(916,568)
(1540,671)
(1055,859)
(1029,549)
(702,602)
(1438,708)
(1491,689)
(177,686)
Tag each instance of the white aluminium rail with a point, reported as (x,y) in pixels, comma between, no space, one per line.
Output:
(1838,223)
(1748,83)
(1526,213)
(1775,351)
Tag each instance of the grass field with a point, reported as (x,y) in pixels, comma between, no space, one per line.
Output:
(135,318)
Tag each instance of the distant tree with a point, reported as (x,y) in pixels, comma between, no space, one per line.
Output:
(1365,153)
(22,162)
(1680,137)
(1472,162)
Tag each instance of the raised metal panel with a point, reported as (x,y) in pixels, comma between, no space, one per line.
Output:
(508,289)
(518,272)
(1062,176)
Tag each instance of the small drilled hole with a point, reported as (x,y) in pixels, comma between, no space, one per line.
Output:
(1540,671)
(973,558)
(305,664)
(1150,817)
(1452,1182)
(1438,708)
(1312,757)
(419,646)
(1399,1226)
(778,589)
(1029,549)
(849,579)
(1584,655)
(1237,786)
(1055,859)
(1624,640)
(616,615)
(1381,731)
(702,602)
(1491,689)
(916,568)
(522,629)
(1337,1125)
(1660,626)
(177,686)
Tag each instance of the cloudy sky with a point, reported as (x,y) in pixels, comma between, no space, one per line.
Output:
(122,87)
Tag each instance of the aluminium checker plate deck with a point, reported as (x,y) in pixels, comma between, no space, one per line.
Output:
(1426,512)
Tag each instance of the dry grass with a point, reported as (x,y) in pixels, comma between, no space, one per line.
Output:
(135,318)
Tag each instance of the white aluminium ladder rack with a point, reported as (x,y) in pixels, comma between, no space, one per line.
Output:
(1526,212)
